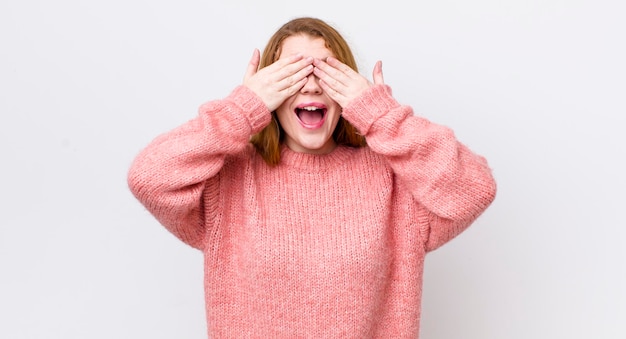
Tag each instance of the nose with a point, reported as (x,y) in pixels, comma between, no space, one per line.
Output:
(312,86)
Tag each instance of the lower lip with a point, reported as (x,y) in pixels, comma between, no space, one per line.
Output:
(312,126)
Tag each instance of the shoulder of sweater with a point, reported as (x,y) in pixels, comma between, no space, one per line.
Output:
(247,154)
(367,152)
(365,156)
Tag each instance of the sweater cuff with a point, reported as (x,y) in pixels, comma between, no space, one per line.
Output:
(363,111)
(252,107)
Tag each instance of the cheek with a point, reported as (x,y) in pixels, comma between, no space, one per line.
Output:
(336,112)
(285,119)
(283,111)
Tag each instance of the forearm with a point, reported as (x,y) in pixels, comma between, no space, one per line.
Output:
(168,176)
(443,175)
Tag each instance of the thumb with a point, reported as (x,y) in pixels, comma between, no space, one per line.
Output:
(377,74)
(253,65)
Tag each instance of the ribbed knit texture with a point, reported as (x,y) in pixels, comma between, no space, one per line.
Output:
(320,246)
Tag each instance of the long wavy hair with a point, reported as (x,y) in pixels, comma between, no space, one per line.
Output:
(268,141)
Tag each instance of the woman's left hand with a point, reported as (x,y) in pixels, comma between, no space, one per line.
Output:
(341,82)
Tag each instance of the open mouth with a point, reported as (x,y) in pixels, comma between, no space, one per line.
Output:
(311,116)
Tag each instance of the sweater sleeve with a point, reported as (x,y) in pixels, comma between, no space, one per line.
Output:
(444,176)
(169,175)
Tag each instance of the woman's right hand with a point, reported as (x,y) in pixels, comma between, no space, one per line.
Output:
(278,81)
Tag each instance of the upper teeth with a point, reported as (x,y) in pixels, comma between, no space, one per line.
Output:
(310,108)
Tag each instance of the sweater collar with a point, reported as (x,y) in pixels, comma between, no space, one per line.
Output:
(315,162)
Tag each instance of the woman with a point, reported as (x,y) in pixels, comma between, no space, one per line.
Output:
(308,230)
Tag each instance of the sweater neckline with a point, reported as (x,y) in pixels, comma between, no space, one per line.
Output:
(314,162)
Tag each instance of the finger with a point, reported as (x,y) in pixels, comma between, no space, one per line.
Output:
(377,74)
(329,80)
(334,69)
(343,68)
(286,63)
(333,93)
(295,72)
(279,69)
(295,82)
(303,72)
(253,65)
(295,87)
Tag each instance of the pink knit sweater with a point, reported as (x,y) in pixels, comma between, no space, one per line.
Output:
(320,246)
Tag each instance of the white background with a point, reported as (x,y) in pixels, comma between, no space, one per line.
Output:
(536,86)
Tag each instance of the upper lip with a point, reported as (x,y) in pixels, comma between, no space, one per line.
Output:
(314,105)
